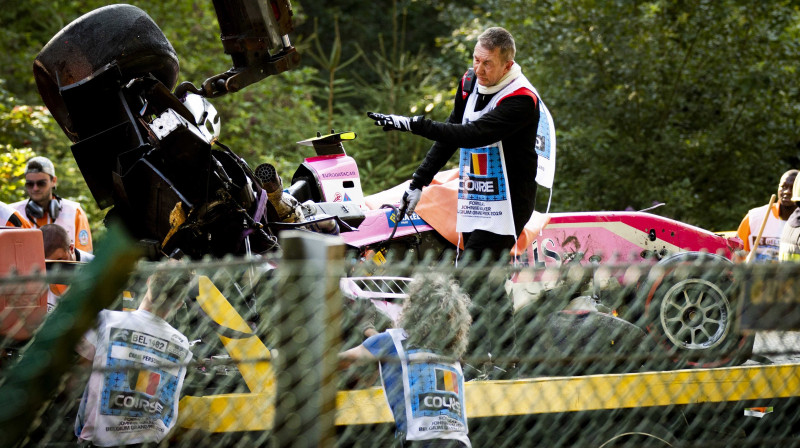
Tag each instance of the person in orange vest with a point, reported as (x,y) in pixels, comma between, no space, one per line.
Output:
(44,206)
(9,217)
(768,247)
(57,247)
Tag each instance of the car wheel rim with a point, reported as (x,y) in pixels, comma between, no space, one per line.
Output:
(695,314)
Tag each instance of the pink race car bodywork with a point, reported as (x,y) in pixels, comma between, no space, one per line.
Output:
(548,240)
(605,238)
(617,237)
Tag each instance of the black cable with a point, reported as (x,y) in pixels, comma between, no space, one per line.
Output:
(400,214)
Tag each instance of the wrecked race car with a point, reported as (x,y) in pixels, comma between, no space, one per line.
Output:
(674,281)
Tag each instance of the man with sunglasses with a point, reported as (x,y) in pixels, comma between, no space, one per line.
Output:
(44,206)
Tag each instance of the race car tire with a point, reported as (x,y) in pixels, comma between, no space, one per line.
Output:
(635,440)
(120,34)
(690,311)
(590,342)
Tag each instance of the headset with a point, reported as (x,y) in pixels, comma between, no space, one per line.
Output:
(36,211)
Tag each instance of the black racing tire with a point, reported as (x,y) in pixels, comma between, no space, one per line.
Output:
(690,311)
(636,432)
(121,34)
(636,439)
(590,342)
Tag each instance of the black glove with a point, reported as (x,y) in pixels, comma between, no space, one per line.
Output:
(410,200)
(393,122)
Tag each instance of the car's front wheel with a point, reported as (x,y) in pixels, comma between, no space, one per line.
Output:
(689,310)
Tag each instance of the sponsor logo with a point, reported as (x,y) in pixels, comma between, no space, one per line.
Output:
(440,401)
(392,217)
(415,220)
(338,174)
(120,335)
(539,143)
(132,401)
(483,186)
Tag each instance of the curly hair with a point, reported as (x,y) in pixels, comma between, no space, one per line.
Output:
(436,315)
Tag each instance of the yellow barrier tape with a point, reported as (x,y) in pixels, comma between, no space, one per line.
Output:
(254,412)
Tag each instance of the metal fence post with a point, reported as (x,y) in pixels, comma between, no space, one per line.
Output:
(307,326)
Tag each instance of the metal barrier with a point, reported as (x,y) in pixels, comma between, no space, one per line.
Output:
(679,353)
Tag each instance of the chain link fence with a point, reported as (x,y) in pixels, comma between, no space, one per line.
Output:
(689,351)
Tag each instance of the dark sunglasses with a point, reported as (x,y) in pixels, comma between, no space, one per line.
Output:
(39,183)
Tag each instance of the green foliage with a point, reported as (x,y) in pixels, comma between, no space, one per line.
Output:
(400,82)
(395,66)
(12,167)
(332,64)
(27,26)
(22,125)
(418,24)
(27,131)
(389,158)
